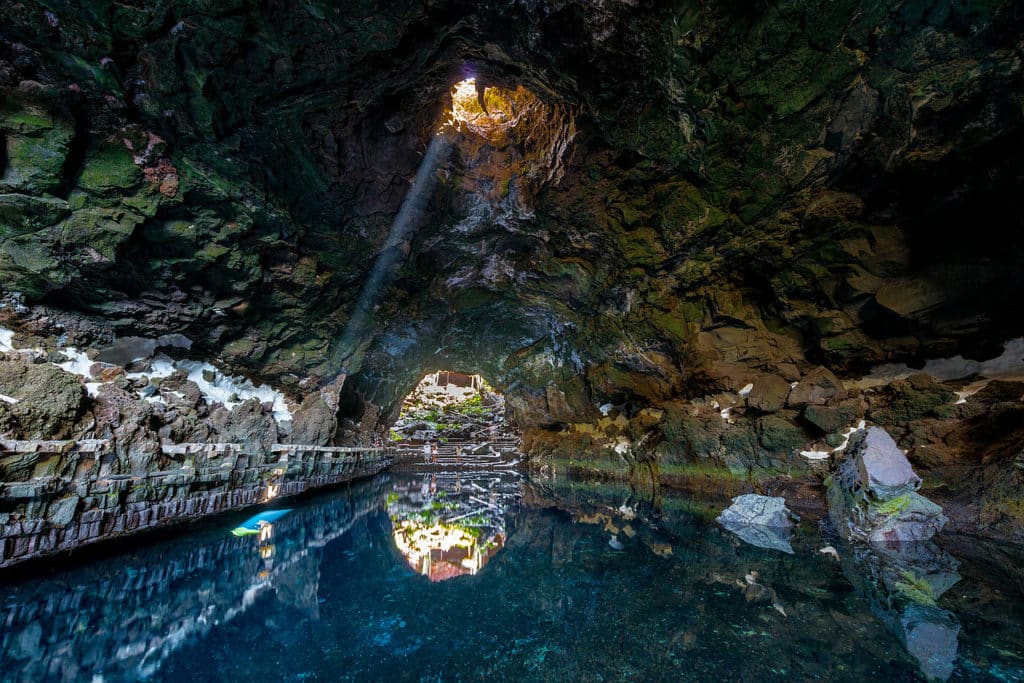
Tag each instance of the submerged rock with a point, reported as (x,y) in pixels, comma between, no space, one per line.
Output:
(759,520)
(903,582)
(931,636)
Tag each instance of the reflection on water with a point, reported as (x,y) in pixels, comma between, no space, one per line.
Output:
(553,580)
(903,583)
(449,524)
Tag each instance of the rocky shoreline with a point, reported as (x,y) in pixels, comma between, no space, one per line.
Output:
(771,437)
(143,444)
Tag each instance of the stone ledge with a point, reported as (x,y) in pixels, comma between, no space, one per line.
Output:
(51,514)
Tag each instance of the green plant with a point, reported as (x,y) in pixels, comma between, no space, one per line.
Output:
(474,405)
(893,506)
(916,589)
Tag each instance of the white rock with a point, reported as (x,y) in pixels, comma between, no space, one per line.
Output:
(762,521)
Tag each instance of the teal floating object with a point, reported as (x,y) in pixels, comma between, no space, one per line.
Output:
(253,524)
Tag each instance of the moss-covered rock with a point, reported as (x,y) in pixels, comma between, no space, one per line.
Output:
(37,144)
(911,399)
(21,214)
(779,435)
(829,419)
(110,172)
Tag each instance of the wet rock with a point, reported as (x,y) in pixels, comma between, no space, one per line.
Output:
(759,520)
(768,394)
(873,494)
(816,388)
(882,466)
(931,636)
(26,643)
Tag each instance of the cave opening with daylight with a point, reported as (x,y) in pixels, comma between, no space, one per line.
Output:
(748,278)
(488,111)
(460,414)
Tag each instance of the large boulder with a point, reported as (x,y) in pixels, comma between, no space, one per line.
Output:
(829,418)
(882,466)
(873,494)
(818,387)
(250,423)
(759,520)
(315,422)
(127,350)
(43,400)
(768,394)
(912,398)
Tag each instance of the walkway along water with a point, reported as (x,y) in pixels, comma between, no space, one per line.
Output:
(61,495)
(188,586)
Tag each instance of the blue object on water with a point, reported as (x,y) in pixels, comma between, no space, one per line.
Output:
(253,524)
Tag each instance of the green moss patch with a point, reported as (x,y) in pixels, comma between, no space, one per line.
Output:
(110,171)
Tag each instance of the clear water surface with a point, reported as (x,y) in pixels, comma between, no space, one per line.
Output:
(489,576)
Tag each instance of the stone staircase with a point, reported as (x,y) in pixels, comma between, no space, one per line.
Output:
(494,453)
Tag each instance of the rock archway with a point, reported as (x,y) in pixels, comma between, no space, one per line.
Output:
(695,198)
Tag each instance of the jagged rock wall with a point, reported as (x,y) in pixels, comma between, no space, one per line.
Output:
(706,196)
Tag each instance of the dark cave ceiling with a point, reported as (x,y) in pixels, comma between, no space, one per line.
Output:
(692,192)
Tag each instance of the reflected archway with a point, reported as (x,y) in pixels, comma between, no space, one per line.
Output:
(451,524)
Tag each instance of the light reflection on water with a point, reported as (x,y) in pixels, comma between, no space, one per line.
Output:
(486,575)
(446,527)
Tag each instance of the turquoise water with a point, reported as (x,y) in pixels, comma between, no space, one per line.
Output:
(414,577)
